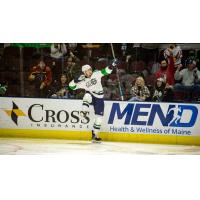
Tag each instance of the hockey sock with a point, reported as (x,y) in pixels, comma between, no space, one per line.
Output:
(85,105)
(87,99)
(97,125)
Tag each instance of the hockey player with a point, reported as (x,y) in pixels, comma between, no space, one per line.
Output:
(90,81)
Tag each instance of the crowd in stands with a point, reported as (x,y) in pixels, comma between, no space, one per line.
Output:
(158,75)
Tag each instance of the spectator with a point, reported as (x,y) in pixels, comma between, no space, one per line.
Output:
(173,54)
(73,66)
(193,56)
(139,91)
(124,48)
(146,72)
(41,76)
(159,90)
(155,67)
(72,46)
(113,89)
(58,50)
(60,90)
(162,72)
(58,53)
(106,89)
(190,78)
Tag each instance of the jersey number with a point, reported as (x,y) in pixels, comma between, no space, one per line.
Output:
(91,83)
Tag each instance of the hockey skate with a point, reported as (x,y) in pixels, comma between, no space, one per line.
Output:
(95,139)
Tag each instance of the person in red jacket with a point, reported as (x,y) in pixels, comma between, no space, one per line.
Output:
(173,55)
(166,72)
(162,72)
(41,76)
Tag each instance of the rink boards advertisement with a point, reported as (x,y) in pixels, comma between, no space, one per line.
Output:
(176,123)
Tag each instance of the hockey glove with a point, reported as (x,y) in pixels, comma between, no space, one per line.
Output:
(79,78)
(115,62)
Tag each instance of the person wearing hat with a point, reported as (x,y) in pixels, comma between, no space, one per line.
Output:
(159,90)
(90,81)
(190,78)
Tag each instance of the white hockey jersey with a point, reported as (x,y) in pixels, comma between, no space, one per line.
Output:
(93,84)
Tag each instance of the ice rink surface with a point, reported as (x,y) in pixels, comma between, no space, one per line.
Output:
(27,146)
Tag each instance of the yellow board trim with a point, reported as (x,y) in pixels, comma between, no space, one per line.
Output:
(57,134)
(106,136)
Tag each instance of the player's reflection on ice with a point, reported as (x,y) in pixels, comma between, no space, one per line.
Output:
(20,146)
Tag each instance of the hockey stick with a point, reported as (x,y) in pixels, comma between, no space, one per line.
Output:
(117,73)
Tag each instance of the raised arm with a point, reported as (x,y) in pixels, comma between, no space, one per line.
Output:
(108,70)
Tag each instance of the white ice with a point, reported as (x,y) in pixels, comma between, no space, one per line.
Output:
(21,146)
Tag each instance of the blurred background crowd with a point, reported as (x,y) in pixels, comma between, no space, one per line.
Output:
(148,72)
